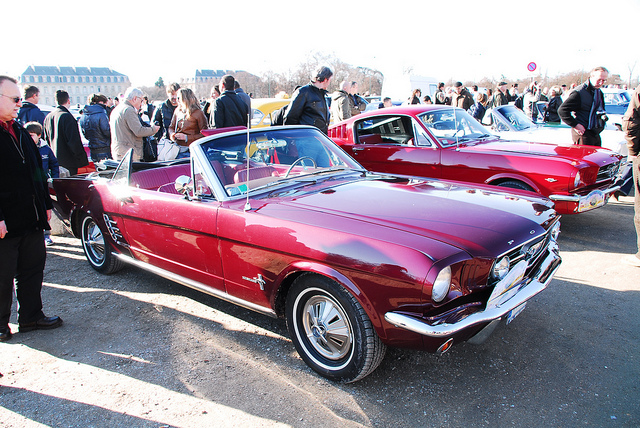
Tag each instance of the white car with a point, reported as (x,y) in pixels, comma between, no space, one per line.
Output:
(511,123)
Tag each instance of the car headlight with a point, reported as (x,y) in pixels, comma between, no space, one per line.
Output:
(441,285)
(501,268)
(578,180)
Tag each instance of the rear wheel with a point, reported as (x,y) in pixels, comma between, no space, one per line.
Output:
(331,330)
(97,250)
(513,184)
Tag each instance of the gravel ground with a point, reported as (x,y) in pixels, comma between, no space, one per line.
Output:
(136,350)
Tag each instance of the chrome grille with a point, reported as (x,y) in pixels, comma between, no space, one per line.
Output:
(114,230)
(529,251)
(608,172)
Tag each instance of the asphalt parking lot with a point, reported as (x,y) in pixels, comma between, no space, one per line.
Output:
(140,351)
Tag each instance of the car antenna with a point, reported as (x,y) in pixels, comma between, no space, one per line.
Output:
(455,124)
(247,205)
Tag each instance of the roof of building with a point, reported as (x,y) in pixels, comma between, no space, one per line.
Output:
(39,70)
(210,73)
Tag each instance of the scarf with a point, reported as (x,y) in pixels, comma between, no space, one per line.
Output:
(596,106)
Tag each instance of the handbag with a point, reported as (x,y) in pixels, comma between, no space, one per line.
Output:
(149,149)
(167,149)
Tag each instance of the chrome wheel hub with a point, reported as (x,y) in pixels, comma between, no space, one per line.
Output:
(327,327)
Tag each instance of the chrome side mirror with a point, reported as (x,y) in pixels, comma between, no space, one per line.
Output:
(183,184)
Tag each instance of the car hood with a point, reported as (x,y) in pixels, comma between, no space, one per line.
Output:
(482,221)
(594,155)
(611,139)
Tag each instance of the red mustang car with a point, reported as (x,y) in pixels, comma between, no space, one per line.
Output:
(442,142)
(282,221)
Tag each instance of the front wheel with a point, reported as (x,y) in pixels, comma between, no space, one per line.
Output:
(331,331)
(96,249)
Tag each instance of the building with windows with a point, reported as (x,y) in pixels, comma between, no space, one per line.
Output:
(79,82)
(203,81)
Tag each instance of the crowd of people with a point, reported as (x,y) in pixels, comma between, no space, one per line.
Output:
(34,149)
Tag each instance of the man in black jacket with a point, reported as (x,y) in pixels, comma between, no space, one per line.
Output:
(164,113)
(308,104)
(228,108)
(583,110)
(63,135)
(25,211)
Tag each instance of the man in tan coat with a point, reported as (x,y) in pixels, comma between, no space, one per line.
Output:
(127,130)
(341,103)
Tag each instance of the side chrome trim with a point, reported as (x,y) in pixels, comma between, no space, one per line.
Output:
(196,285)
(544,275)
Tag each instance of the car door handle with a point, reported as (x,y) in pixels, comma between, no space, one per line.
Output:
(357,149)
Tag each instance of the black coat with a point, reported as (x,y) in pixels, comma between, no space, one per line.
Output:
(229,110)
(162,118)
(24,193)
(63,135)
(551,112)
(579,103)
(308,107)
(95,125)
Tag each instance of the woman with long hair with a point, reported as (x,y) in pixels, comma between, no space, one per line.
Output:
(415,96)
(187,121)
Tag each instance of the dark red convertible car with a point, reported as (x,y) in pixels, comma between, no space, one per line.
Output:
(282,221)
(441,142)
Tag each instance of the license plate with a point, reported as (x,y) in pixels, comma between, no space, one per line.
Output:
(515,312)
(593,200)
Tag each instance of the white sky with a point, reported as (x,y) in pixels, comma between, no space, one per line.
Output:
(462,40)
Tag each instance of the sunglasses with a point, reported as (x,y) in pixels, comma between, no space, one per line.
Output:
(15,99)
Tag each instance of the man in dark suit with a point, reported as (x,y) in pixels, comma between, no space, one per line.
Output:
(228,108)
(63,135)
(25,211)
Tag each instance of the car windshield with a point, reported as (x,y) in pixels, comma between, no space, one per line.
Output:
(516,118)
(452,128)
(265,158)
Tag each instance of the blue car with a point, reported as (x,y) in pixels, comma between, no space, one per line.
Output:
(616,101)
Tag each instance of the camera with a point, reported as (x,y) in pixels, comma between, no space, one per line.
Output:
(602,115)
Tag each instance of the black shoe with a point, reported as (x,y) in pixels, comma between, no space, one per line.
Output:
(5,334)
(45,323)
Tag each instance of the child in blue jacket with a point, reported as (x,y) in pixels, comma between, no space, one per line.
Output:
(49,161)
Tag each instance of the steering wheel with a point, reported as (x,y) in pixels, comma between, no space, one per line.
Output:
(299,160)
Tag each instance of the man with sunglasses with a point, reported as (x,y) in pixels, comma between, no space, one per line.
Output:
(25,211)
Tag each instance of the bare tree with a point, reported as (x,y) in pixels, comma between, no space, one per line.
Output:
(631,68)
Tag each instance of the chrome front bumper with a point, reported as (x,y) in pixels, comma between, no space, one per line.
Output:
(595,198)
(539,282)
